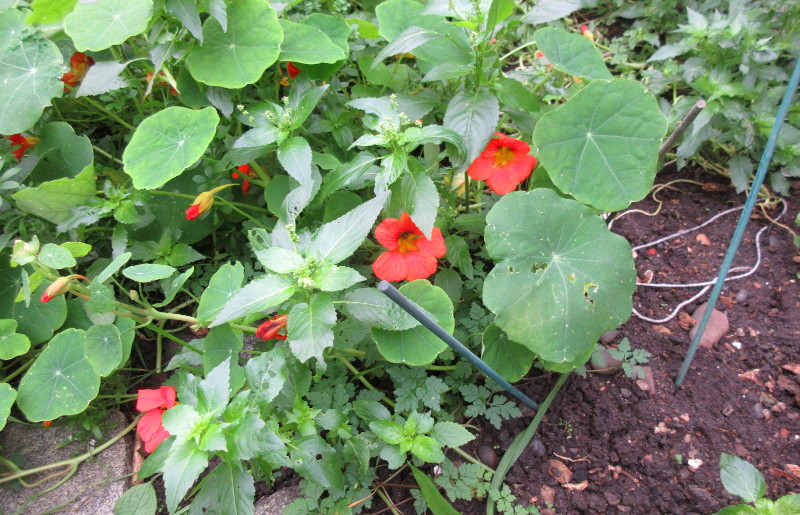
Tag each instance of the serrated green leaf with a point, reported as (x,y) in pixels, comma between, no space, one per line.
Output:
(451,434)
(12,344)
(238,55)
(740,478)
(473,114)
(225,282)
(346,174)
(310,327)
(336,278)
(61,381)
(173,286)
(337,240)
(186,11)
(327,470)
(601,147)
(103,347)
(562,277)
(148,272)
(294,154)
(55,256)
(183,465)
(223,343)
(228,489)
(55,200)
(103,23)
(215,389)
(259,295)
(406,41)
(421,200)
(418,346)
(137,500)
(375,309)
(266,375)
(7,397)
(167,143)
(458,255)
(571,53)
(388,431)
(307,44)
(427,449)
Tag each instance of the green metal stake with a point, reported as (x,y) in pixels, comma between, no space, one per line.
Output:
(412,309)
(766,157)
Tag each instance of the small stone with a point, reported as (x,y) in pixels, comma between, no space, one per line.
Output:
(716,328)
(608,337)
(548,494)
(612,498)
(488,456)
(695,463)
(702,239)
(727,410)
(537,447)
(662,330)
(625,393)
(773,243)
(758,410)
(686,321)
(739,332)
(648,383)
(684,418)
(736,344)
(741,296)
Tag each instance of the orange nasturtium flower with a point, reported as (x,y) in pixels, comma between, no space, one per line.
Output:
(269,329)
(59,287)
(153,403)
(294,71)
(80,64)
(504,164)
(587,33)
(203,202)
(246,171)
(22,143)
(409,255)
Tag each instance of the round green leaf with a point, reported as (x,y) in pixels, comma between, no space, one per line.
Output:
(61,153)
(167,143)
(148,272)
(12,344)
(240,55)
(306,44)
(571,53)
(601,147)
(29,77)
(509,359)
(7,397)
(38,320)
(61,381)
(418,346)
(103,348)
(56,257)
(563,278)
(100,24)
(49,11)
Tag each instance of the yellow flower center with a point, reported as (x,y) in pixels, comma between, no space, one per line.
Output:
(503,156)
(405,243)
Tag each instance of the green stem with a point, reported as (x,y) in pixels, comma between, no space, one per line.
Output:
(175,339)
(108,113)
(192,197)
(521,442)
(159,336)
(104,153)
(72,462)
(232,206)
(18,371)
(388,502)
(363,380)
(526,45)
(244,328)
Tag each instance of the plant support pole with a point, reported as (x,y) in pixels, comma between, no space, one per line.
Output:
(687,120)
(769,149)
(430,324)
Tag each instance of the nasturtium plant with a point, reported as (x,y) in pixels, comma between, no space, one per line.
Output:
(562,278)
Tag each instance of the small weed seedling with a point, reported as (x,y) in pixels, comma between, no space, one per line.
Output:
(632,359)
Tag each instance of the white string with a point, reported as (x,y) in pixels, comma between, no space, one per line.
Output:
(706,284)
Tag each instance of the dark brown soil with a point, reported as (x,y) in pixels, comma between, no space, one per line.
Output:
(628,449)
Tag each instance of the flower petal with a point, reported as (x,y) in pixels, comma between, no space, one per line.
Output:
(390,266)
(434,246)
(149,399)
(388,232)
(502,182)
(149,424)
(420,265)
(481,169)
(168,394)
(151,444)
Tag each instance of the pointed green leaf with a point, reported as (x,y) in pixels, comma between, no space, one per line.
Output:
(186,11)
(346,174)
(45,12)
(474,116)
(12,344)
(7,397)
(336,278)
(418,346)
(137,500)
(148,272)
(112,267)
(451,434)
(309,327)
(223,343)
(314,459)
(435,500)
(306,44)
(225,282)
(406,41)
(61,381)
(376,309)
(571,53)
(601,147)
(421,200)
(388,431)
(740,478)
(54,200)
(563,278)
(280,260)
(337,240)
(260,295)
(509,359)
(103,348)
(294,154)
(427,449)
(181,468)
(238,56)
(215,389)
(29,72)
(266,375)
(100,24)
(173,286)
(167,143)
(228,489)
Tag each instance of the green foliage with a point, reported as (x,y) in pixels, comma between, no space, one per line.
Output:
(466,481)
(632,359)
(743,480)
(482,402)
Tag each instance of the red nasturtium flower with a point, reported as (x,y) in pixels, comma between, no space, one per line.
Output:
(153,403)
(294,71)
(22,143)
(269,329)
(410,255)
(80,64)
(504,164)
(203,202)
(246,171)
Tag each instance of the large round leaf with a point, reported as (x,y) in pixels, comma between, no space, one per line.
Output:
(61,381)
(29,75)
(306,44)
(100,24)
(238,56)
(12,344)
(7,397)
(509,359)
(61,153)
(418,346)
(38,320)
(571,53)
(563,278)
(167,143)
(103,348)
(601,147)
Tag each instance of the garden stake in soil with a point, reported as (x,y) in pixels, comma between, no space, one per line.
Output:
(414,310)
(687,120)
(766,157)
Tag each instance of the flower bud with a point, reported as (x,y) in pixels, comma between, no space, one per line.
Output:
(587,33)
(134,295)
(203,202)
(58,287)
